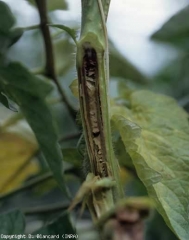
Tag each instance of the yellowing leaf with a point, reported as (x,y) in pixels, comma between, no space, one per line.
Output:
(14,153)
(29,93)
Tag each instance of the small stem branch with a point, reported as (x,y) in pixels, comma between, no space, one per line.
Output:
(50,65)
(33,27)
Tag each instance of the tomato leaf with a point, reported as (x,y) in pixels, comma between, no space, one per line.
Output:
(155,132)
(8,36)
(29,92)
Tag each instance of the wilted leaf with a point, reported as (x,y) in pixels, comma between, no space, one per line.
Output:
(12,223)
(29,93)
(12,160)
(155,132)
(71,32)
(175,30)
(53,4)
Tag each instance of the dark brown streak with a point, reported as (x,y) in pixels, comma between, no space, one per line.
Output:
(92,108)
(50,65)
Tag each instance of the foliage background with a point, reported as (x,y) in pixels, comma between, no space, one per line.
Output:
(135,59)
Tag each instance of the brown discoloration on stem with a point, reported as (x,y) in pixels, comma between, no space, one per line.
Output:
(91,107)
(50,64)
(92,68)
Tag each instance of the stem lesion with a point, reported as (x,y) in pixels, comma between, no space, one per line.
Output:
(93,72)
(50,63)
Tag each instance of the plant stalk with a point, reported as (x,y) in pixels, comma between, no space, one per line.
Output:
(93,80)
(50,64)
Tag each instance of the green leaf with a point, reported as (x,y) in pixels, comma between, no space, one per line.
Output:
(155,132)
(18,77)
(71,32)
(60,226)
(8,36)
(12,223)
(53,4)
(7,19)
(175,30)
(121,67)
(29,93)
